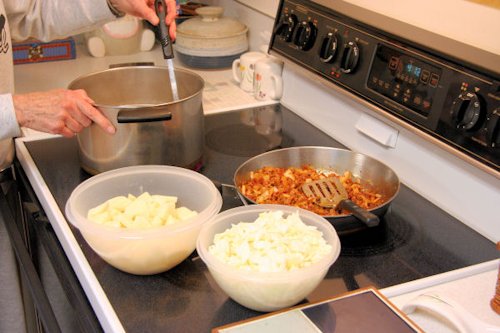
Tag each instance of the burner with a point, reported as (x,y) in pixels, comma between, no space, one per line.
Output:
(241,140)
(393,232)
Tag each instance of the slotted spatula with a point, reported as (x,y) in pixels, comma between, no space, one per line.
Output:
(330,193)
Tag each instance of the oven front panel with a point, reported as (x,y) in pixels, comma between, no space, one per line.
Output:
(453,103)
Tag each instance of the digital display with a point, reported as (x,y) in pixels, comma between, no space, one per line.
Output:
(417,71)
(413,70)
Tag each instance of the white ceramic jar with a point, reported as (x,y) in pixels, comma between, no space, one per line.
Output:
(210,40)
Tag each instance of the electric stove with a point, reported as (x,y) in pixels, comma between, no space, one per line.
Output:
(415,238)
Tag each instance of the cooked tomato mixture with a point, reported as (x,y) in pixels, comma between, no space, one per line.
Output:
(272,185)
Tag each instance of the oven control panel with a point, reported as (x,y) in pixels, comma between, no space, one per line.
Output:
(452,102)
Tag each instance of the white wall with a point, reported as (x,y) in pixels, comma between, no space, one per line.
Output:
(472,23)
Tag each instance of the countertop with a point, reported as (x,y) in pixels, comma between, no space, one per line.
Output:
(472,287)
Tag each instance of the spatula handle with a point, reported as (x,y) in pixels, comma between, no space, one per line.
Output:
(368,218)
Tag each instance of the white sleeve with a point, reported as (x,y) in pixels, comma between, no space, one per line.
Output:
(50,19)
(9,128)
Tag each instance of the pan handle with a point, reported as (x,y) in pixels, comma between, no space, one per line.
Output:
(242,198)
(220,186)
(368,218)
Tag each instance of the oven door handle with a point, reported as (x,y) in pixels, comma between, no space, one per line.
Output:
(28,269)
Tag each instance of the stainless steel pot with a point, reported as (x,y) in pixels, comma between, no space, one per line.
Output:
(372,174)
(151,127)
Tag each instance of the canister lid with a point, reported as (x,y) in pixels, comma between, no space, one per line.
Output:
(211,24)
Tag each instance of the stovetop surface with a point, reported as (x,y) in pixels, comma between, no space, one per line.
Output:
(415,239)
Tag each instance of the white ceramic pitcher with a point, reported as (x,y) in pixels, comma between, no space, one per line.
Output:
(243,69)
(268,82)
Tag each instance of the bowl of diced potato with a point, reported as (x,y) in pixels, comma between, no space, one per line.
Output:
(143,219)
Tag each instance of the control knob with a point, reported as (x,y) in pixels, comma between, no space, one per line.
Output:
(286,26)
(493,129)
(305,35)
(328,48)
(350,57)
(467,111)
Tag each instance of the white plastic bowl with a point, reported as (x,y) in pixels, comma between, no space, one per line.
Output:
(145,251)
(266,291)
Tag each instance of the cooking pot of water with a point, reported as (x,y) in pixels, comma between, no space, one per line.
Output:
(151,127)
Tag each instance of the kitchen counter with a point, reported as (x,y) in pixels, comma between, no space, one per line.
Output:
(472,288)
(221,95)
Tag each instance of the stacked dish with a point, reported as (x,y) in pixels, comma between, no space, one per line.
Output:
(210,40)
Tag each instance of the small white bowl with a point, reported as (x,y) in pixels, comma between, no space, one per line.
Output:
(144,251)
(266,291)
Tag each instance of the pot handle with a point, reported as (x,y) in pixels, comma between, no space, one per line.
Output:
(142,115)
(131,64)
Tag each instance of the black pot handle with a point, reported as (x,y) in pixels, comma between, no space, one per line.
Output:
(132,64)
(142,115)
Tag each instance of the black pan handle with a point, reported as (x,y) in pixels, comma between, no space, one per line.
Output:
(220,186)
(368,218)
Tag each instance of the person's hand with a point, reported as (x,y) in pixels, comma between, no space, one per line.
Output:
(145,9)
(59,111)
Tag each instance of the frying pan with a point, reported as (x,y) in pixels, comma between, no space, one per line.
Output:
(370,172)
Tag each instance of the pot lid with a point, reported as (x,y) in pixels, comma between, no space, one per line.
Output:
(211,24)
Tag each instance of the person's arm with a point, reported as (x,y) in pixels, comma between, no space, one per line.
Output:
(50,19)
(59,111)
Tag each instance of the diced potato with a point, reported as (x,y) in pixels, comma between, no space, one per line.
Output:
(143,211)
(164,199)
(171,219)
(99,209)
(157,221)
(101,218)
(137,207)
(184,213)
(119,203)
(141,222)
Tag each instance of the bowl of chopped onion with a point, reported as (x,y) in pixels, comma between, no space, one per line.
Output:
(268,257)
(143,219)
